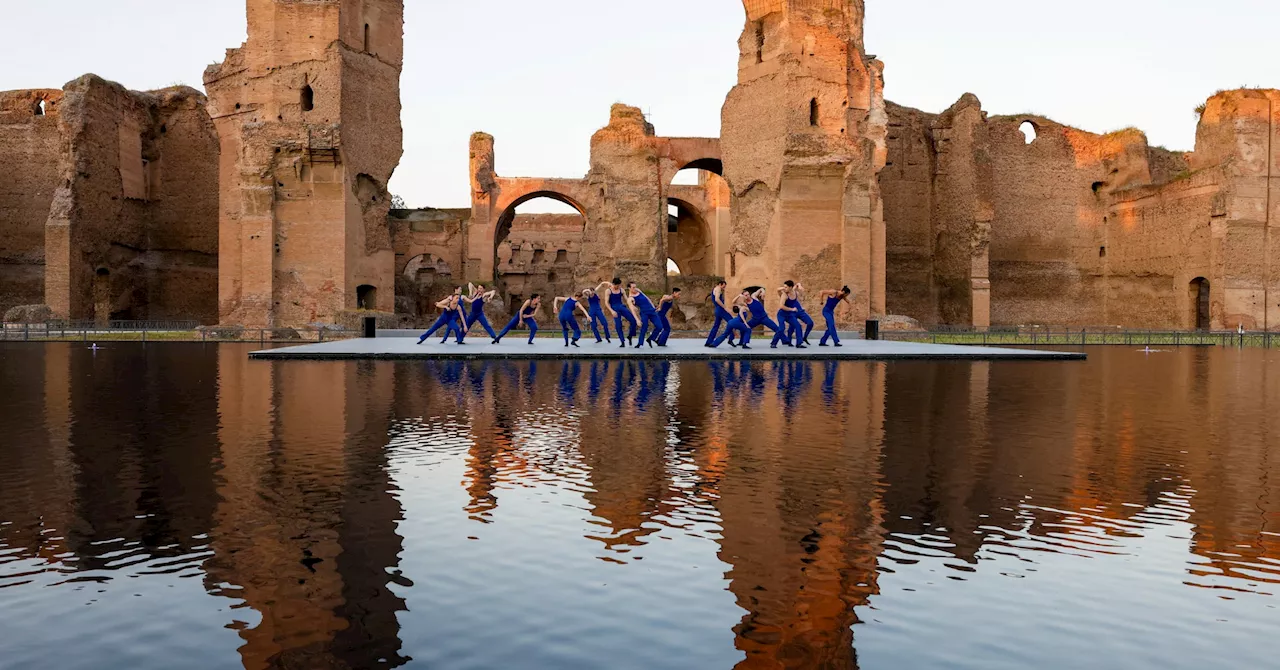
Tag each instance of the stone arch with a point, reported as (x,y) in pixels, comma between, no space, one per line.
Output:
(691,239)
(508,212)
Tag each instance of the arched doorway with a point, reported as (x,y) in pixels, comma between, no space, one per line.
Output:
(536,246)
(366,297)
(425,279)
(1201,306)
(690,239)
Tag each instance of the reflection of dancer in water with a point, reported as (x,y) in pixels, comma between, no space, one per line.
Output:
(596,312)
(620,307)
(451,317)
(665,303)
(477,298)
(523,317)
(833,300)
(569,318)
(648,315)
(722,311)
(789,330)
(802,317)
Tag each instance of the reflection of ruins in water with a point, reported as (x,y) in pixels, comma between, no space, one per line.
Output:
(277,486)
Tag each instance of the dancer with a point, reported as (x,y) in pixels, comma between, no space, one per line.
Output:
(737,325)
(787,318)
(802,317)
(450,317)
(523,317)
(619,306)
(478,298)
(568,308)
(722,312)
(753,303)
(665,303)
(833,300)
(596,312)
(648,315)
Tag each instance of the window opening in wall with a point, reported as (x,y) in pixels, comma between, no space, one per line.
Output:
(308,98)
(40,107)
(673,219)
(1029,131)
(562,256)
(366,38)
(673,270)
(759,41)
(367,297)
(1102,252)
(538,255)
(1200,303)
(1097,186)
(813,112)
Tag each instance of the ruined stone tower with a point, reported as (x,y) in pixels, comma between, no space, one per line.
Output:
(803,136)
(308,115)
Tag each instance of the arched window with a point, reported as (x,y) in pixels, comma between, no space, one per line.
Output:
(813,112)
(366,39)
(308,98)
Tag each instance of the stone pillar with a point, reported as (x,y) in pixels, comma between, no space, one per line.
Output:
(480,256)
(962,215)
(803,136)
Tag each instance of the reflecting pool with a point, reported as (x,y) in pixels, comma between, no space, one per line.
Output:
(178,505)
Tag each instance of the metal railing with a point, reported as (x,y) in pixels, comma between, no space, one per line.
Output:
(160,331)
(1087,336)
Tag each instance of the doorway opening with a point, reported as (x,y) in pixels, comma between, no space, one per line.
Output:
(1201,307)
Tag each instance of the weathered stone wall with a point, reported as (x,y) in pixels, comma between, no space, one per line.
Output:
(906,185)
(129,231)
(804,136)
(29,144)
(308,113)
(428,247)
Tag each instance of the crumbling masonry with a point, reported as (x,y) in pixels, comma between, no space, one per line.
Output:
(128,205)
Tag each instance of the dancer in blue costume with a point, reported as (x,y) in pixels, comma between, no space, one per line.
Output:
(568,309)
(477,298)
(648,314)
(802,317)
(833,300)
(596,312)
(787,318)
(759,316)
(451,318)
(737,324)
(523,317)
(622,310)
(722,310)
(665,303)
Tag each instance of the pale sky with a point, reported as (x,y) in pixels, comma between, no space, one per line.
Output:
(541,75)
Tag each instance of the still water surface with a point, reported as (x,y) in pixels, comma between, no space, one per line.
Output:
(181,506)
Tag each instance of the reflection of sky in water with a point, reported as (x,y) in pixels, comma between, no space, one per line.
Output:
(1116,513)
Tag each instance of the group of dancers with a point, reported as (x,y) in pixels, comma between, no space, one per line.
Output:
(630,307)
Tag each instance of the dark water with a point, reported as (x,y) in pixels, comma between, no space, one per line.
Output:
(181,506)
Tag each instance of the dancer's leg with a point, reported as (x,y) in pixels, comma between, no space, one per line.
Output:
(564,327)
(484,323)
(830,333)
(715,328)
(595,325)
(577,330)
(533,329)
(666,330)
(631,319)
(441,322)
(515,321)
(645,320)
(807,321)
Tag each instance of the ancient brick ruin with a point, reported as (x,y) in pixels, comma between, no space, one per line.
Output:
(267,203)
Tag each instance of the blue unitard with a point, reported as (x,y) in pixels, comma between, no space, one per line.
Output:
(448,320)
(515,323)
(477,316)
(803,318)
(569,321)
(760,317)
(597,318)
(623,314)
(722,317)
(664,325)
(648,317)
(790,327)
(829,313)
(735,325)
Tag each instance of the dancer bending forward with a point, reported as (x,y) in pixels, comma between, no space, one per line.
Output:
(619,306)
(451,318)
(665,303)
(833,300)
(478,298)
(568,308)
(596,312)
(524,317)
(648,314)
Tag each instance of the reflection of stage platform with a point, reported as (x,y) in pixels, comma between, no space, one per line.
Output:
(517,348)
